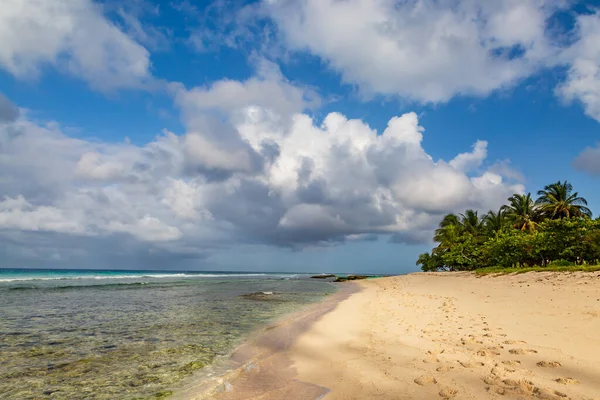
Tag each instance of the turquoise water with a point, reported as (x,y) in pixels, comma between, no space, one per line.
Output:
(129,334)
(25,275)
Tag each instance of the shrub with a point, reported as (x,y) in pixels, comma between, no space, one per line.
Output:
(561,263)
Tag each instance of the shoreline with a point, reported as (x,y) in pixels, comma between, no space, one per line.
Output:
(432,335)
(261,364)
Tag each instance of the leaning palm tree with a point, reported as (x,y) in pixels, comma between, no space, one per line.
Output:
(496,222)
(557,201)
(521,211)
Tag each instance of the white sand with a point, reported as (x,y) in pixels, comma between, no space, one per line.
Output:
(428,336)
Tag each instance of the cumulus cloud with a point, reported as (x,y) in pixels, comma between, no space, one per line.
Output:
(287,180)
(583,76)
(589,160)
(17,213)
(430,51)
(8,111)
(423,50)
(211,115)
(472,160)
(74,36)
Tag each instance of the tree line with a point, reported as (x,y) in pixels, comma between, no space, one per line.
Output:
(555,229)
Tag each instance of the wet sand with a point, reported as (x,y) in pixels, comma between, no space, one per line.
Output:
(262,368)
(428,336)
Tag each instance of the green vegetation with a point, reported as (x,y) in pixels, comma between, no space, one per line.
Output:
(549,268)
(556,232)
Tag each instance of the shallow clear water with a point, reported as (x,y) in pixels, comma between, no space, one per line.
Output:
(129,335)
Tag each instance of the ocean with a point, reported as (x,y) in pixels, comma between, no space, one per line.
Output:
(81,334)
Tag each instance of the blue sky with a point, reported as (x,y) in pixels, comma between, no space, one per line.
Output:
(282,135)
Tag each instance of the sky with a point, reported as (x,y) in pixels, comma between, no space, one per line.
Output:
(283,135)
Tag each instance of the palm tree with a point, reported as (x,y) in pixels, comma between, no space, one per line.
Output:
(449,219)
(495,222)
(424,261)
(449,229)
(471,223)
(521,211)
(557,201)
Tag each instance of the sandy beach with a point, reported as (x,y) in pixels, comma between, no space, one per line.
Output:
(427,336)
(442,335)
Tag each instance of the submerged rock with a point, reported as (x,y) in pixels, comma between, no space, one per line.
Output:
(225,387)
(262,296)
(251,367)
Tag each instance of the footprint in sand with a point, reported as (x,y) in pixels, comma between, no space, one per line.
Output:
(522,351)
(549,394)
(512,363)
(549,364)
(524,384)
(448,393)
(487,353)
(425,381)
(514,342)
(445,368)
(527,388)
(498,390)
(566,381)
(466,364)
(491,380)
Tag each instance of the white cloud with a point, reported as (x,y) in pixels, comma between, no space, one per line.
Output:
(589,160)
(423,50)
(91,166)
(265,173)
(469,161)
(17,213)
(147,228)
(8,111)
(269,89)
(74,36)
(426,51)
(183,198)
(583,77)
(211,113)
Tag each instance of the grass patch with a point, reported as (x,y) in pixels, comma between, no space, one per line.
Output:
(550,268)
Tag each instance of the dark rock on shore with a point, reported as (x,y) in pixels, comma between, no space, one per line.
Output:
(323,276)
(349,278)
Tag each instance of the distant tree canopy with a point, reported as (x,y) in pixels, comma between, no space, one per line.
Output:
(555,228)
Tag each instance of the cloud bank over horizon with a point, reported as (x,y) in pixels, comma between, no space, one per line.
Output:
(257,161)
(262,177)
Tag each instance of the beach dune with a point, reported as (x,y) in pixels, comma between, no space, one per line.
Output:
(457,335)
